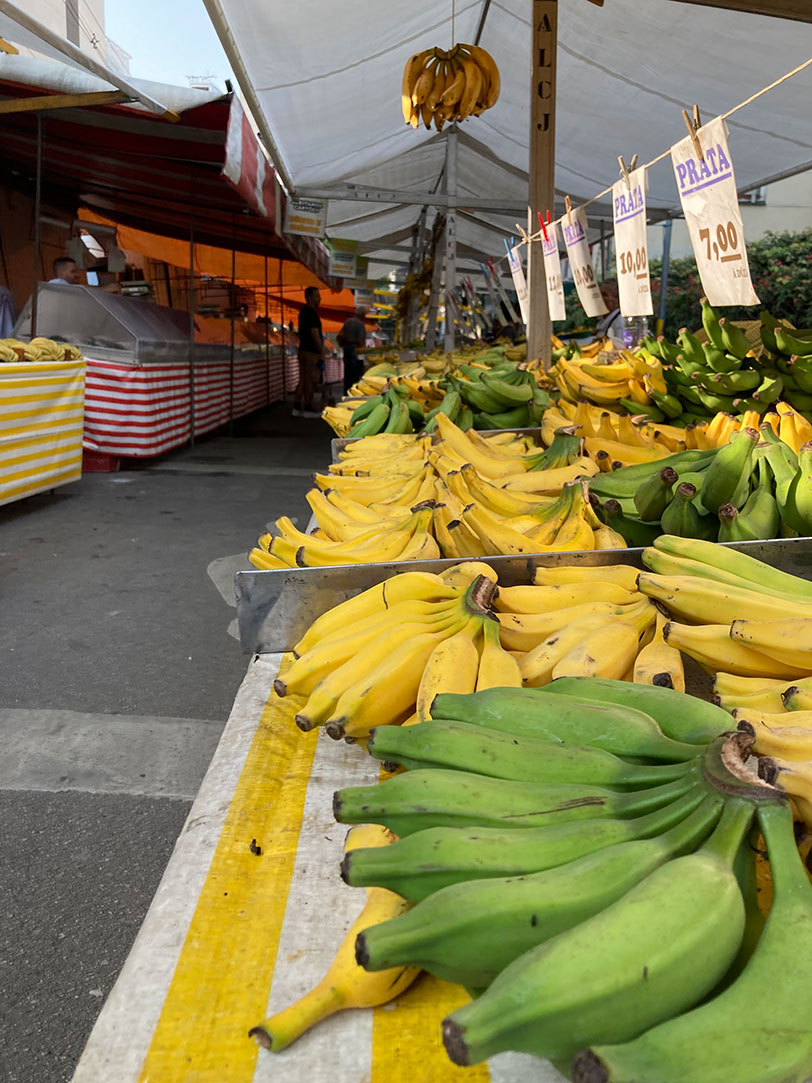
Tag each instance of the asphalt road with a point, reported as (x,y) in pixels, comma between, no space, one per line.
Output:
(118,669)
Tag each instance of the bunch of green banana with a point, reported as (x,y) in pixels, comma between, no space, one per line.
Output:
(790,351)
(388,412)
(503,396)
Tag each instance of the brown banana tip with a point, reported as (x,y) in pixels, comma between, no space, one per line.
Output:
(788,693)
(747,727)
(344,868)
(262,1036)
(280,687)
(337,805)
(767,770)
(390,765)
(454,1042)
(361,950)
(588,1068)
(304,724)
(662,680)
(300,560)
(335,730)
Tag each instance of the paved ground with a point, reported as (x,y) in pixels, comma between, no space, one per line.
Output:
(117,673)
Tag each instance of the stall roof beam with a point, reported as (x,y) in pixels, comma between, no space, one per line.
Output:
(359,193)
(63,101)
(779,9)
(62,45)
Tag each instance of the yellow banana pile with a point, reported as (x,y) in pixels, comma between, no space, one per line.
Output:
(604,377)
(611,437)
(38,349)
(442,85)
(786,422)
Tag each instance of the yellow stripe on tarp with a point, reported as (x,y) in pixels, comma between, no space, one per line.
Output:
(223,976)
(42,480)
(50,450)
(43,469)
(41,426)
(36,441)
(407,1046)
(52,409)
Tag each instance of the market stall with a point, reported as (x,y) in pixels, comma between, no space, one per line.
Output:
(41,419)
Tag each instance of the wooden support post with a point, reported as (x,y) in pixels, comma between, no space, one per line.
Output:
(438,234)
(450,233)
(192,335)
(37,211)
(63,101)
(233,299)
(541,195)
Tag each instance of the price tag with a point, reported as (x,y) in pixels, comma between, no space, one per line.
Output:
(583,273)
(707,191)
(631,249)
(552,273)
(514,256)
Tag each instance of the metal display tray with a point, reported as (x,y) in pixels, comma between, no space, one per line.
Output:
(275,608)
(339,443)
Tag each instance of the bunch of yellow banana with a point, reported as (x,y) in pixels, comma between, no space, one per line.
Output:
(339,417)
(611,437)
(381,657)
(38,349)
(606,378)
(442,85)
(346,984)
(584,622)
(369,384)
(786,422)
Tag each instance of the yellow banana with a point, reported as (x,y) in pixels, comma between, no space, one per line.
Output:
(791,742)
(455,86)
(622,574)
(608,652)
(708,600)
(346,984)
(547,481)
(607,538)
(711,646)
(537,665)
(623,452)
(497,667)
(787,641)
(523,631)
(796,780)
(472,89)
(541,599)
(463,575)
(490,73)
(499,499)
(775,719)
(414,66)
(265,561)
(451,667)
(424,81)
(659,663)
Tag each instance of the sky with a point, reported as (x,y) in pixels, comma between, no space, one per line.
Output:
(168,40)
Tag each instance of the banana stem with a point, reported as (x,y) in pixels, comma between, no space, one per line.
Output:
(282,1029)
(787,868)
(737,815)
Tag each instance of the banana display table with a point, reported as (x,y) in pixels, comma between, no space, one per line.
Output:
(234,934)
(41,419)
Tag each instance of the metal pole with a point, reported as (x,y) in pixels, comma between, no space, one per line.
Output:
(192,334)
(450,232)
(233,295)
(603,250)
(664,276)
(282,321)
(37,204)
(434,292)
(542,169)
(268,334)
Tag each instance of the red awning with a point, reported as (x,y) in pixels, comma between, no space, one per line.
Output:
(146,172)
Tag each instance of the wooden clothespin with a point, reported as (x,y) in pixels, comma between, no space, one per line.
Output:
(568,205)
(543,227)
(693,127)
(523,234)
(633,164)
(624,170)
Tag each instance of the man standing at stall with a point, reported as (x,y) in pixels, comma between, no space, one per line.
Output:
(311,354)
(353,339)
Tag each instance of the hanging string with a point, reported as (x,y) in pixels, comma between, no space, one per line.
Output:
(660,157)
(453,13)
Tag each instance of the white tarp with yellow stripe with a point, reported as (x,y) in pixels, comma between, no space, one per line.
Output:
(232,936)
(41,423)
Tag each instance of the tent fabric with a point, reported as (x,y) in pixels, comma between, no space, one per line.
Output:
(144,171)
(625,72)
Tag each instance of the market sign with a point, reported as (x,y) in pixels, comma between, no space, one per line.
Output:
(307,217)
(359,279)
(364,298)
(552,271)
(573,226)
(631,246)
(514,258)
(707,191)
(343,258)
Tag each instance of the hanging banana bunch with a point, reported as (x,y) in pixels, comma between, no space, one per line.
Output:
(442,85)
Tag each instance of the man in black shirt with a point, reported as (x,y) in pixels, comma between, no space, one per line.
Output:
(311,353)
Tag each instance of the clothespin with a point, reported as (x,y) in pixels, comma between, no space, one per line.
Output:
(568,205)
(523,234)
(543,227)
(624,171)
(693,127)
(633,164)
(509,246)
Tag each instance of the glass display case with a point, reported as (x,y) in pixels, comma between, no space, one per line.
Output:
(111,327)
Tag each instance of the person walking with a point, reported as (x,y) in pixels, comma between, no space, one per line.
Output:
(311,354)
(353,339)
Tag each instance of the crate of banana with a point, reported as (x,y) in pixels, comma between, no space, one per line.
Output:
(38,349)
(442,85)
(643,865)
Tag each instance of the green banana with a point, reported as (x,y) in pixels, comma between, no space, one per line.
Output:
(734,338)
(374,422)
(682,518)
(743,405)
(770,388)
(668,403)
(624,482)
(799,400)
(427,861)
(400,420)
(713,402)
(668,352)
(797,508)
(634,531)
(465,419)
(793,342)
(440,798)
(480,398)
(651,413)
(563,451)
(688,368)
(744,1034)
(509,419)
(653,495)
(416,412)
(618,728)
(439,932)
(691,347)
(627,968)
(365,409)
(685,719)
(710,321)
(730,383)
(510,394)
(461,746)
(719,361)
(732,465)
(759,519)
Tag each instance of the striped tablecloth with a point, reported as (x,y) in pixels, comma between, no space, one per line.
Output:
(232,937)
(41,418)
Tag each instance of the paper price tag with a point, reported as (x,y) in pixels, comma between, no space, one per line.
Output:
(519,281)
(631,248)
(552,273)
(707,192)
(583,273)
